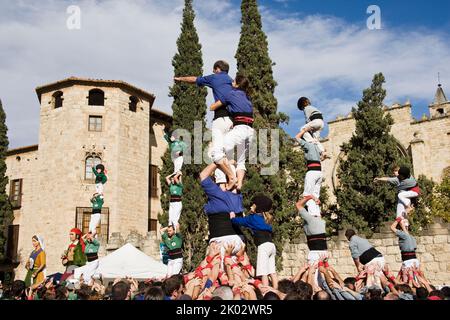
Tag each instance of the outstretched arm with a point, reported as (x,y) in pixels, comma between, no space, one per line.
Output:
(189,79)
(216,105)
(207,171)
(382,179)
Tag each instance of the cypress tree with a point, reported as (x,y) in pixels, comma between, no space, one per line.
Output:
(6,213)
(253,61)
(371,152)
(189,105)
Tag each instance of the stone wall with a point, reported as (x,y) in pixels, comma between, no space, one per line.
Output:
(433,252)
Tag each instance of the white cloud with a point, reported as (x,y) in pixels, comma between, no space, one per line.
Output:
(322,57)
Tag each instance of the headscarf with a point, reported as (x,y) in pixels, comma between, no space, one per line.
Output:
(79,233)
(40,239)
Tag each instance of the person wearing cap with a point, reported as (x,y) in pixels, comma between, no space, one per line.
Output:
(220,83)
(313,177)
(363,253)
(260,223)
(74,256)
(314,123)
(241,135)
(406,242)
(100,178)
(97,204)
(407,189)
(177,148)
(175,203)
(174,243)
(36,263)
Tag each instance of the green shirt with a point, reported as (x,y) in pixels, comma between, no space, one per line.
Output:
(97,202)
(175,146)
(176,189)
(99,177)
(176,242)
(91,247)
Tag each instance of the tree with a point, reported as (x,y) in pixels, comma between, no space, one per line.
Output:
(423,213)
(441,198)
(6,213)
(189,106)
(371,152)
(254,62)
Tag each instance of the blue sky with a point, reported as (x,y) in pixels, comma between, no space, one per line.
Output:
(322,49)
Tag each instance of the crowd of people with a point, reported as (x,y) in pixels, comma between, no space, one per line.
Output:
(226,272)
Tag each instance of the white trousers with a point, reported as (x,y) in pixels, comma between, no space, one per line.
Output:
(99,188)
(265,263)
(376,262)
(175,212)
(313,182)
(220,127)
(89,271)
(174,266)
(316,255)
(240,136)
(95,222)
(411,263)
(313,136)
(404,200)
(225,241)
(177,164)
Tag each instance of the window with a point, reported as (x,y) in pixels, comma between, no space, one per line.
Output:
(153,181)
(95,123)
(440,111)
(152,224)
(133,104)
(12,244)
(58,99)
(91,162)
(83,217)
(15,194)
(96,97)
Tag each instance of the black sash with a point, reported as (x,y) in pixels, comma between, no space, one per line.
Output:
(369,255)
(317,242)
(175,198)
(261,237)
(315,116)
(96,210)
(175,253)
(91,256)
(220,225)
(221,112)
(408,255)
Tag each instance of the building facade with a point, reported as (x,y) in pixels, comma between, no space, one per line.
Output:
(84,122)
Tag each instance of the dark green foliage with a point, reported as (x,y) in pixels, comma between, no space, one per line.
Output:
(371,152)
(189,105)
(422,214)
(6,213)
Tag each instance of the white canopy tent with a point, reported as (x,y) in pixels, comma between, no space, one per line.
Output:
(126,261)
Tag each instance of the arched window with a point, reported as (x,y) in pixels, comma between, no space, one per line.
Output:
(91,162)
(133,104)
(96,97)
(58,99)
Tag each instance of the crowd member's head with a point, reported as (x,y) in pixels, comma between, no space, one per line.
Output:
(421,293)
(224,292)
(304,290)
(404,288)
(292,296)
(185,297)
(84,292)
(154,293)
(62,293)
(216,298)
(321,295)
(436,295)
(221,66)
(349,233)
(271,296)
(121,291)
(373,293)
(242,83)
(446,292)
(302,103)
(172,287)
(49,295)
(391,296)
(403,173)
(350,283)
(286,286)
(18,290)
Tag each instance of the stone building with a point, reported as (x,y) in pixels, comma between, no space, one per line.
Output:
(425,141)
(84,122)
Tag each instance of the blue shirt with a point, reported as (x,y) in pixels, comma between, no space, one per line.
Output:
(254,222)
(220,201)
(220,83)
(238,102)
